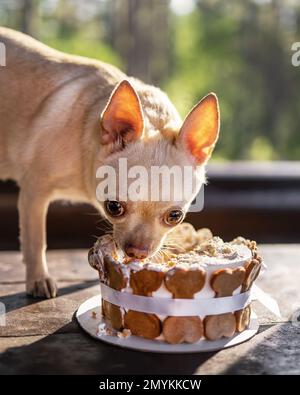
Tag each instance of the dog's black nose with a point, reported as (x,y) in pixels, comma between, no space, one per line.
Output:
(138,252)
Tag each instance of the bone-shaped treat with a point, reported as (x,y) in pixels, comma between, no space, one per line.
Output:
(116,277)
(114,314)
(218,326)
(243,318)
(252,272)
(225,281)
(143,324)
(182,329)
(144,282)
(183,284)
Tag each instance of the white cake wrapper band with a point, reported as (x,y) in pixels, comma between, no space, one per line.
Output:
(188,307)
(175,307)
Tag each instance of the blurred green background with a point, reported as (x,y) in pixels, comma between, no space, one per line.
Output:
(239,49)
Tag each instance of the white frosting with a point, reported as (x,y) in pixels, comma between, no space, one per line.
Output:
(198,258)
(195,260)
(211,255)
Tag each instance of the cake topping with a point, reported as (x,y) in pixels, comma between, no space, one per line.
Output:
(197,249)
(251,244)
(212,253)
(216,247)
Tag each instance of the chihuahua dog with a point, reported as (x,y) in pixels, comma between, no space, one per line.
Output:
(62,117)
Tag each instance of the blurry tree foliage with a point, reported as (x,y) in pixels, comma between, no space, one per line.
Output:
(239,49)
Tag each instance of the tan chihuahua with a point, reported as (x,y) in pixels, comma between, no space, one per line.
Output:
(62,117)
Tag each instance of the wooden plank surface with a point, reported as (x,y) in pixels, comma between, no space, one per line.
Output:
(41,336)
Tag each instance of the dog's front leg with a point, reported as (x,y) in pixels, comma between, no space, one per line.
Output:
(33,206)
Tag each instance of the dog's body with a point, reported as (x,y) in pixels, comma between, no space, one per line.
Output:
(50,106)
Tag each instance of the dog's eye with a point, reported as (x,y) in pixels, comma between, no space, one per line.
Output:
(173,217)
(114,208)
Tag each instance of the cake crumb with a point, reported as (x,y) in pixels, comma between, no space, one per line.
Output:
(103,330)
(124,334)
(229,251)
(251,244)
(94,314)
(211,246)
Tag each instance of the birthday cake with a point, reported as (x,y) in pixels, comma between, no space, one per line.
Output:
(168,299)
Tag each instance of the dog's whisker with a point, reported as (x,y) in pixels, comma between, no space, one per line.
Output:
(104,222)
(104,226)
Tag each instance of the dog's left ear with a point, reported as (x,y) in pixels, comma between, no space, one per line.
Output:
(200,130)
(122,119)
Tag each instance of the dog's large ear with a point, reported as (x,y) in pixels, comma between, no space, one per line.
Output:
(200,129)
(122,119)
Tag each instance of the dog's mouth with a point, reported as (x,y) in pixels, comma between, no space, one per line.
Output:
(132,253)
(137,251)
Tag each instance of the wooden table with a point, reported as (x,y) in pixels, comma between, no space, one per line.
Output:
(42,337)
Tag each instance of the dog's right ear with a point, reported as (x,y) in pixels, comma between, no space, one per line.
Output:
(122,119)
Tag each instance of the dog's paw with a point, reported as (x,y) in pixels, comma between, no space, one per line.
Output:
(43,288)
